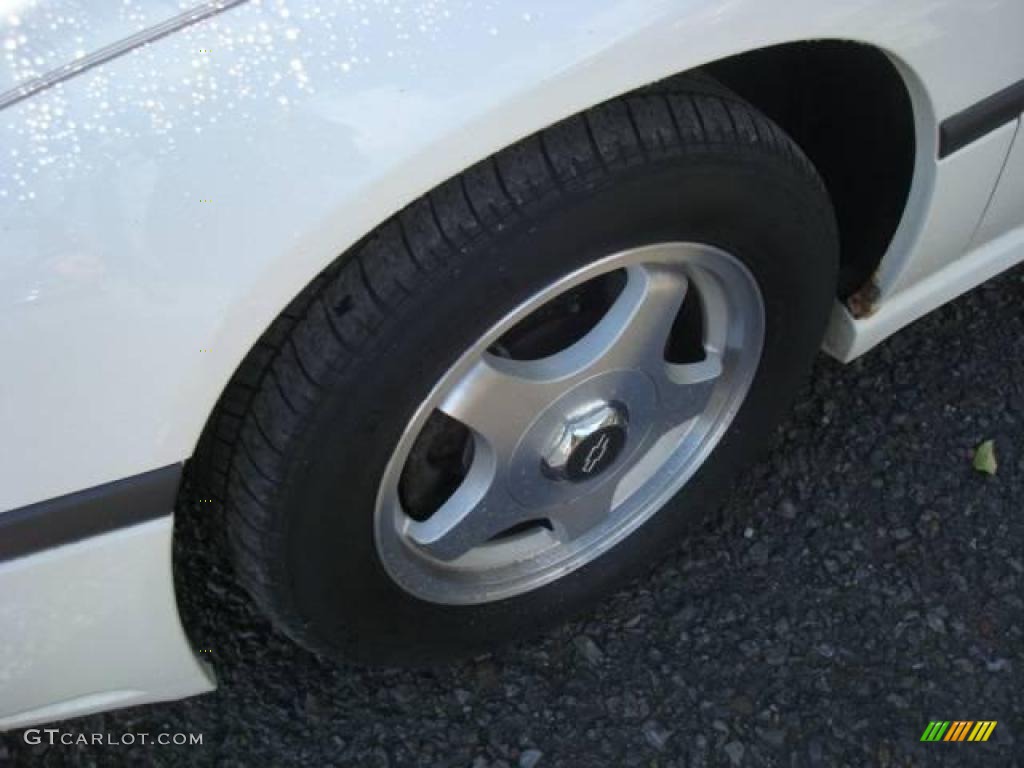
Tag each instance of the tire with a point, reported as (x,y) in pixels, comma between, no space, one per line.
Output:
(304,434)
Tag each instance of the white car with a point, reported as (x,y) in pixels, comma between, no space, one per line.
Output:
(457,312)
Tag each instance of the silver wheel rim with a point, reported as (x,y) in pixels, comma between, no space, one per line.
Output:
(634,428)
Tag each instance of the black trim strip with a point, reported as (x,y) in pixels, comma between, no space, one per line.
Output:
(997,110)
(77,516)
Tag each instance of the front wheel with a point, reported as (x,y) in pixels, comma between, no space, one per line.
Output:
(529,383)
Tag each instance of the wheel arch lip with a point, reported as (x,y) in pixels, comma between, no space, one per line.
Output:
(210,283)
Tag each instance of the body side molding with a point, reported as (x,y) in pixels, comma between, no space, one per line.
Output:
(82,514)
(971,124)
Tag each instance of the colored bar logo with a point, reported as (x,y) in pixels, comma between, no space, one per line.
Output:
(959,730)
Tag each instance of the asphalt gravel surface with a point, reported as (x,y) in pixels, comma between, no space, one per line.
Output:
(864,580)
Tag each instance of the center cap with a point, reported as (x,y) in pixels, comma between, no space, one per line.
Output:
(589,444)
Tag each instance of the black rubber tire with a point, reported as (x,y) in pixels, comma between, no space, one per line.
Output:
(300,438)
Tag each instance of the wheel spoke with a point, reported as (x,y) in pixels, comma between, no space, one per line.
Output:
(634,331)
(570,521)
(480,509)
(684,390)
(498,399)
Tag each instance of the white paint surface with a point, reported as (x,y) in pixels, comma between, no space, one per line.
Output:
(92,626)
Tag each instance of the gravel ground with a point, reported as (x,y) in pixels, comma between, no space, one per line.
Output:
(867,581)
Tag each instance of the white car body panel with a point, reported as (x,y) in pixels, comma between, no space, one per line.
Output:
(1005,213)
(159,210)
(94,626)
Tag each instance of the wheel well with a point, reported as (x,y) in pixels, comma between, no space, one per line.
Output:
(848,108)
